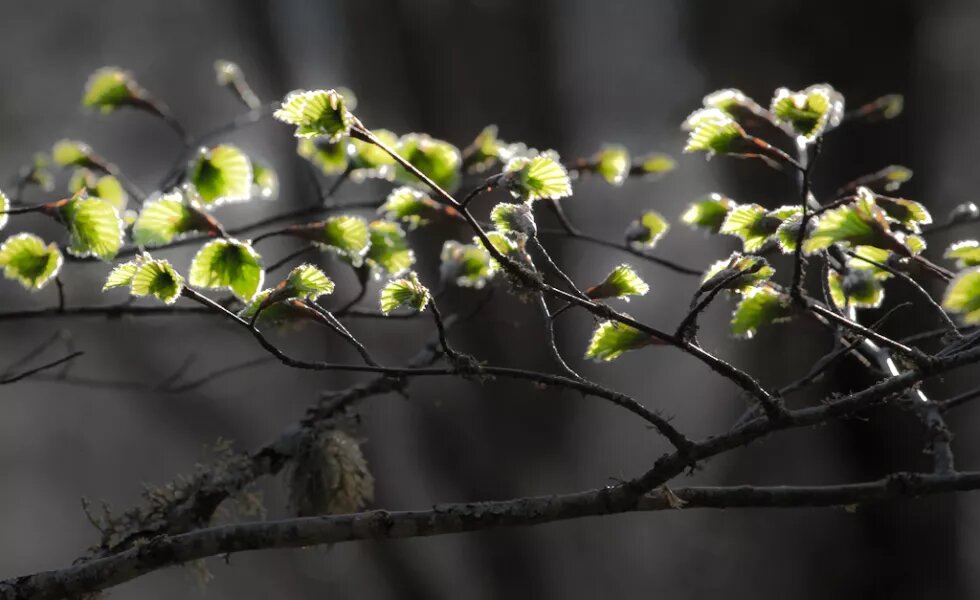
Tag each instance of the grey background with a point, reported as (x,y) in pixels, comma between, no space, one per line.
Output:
(568,75)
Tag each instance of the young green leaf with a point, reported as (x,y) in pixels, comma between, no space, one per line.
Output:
(109,88)
(407,291)
(858,288)
(438,160)
(613,164)
(265,181)
(27,259)
(388,252)
(316,113)
(966,253)
(712,131)
(329,157)
(622,283)
(228,263)
(106,187)
(963,295)
(809,113)
(709,212)
(746,272)
(611,339)
(307,282)
(122,274)
(760,305)
(654,165)
(37,173)
(514,219)
(368,161)
(878,255)
(222,174)
(862,222)
(647,230)
(346,235)
(732,102)
(466,265)
(411,206)
(166,218)
(484,152)
(94,226)
(910,214)
(71,153)
(537,178)
(274,312)
(158,279)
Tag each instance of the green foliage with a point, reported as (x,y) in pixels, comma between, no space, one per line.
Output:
(613,163)
(485,151)
(222,174)
(646,231)
(71,153)
(106,187)
(329,157)
(753,269)
(230,264)
(963,295)
(858,288)
(166,218)
(514,219)
(712,131)
(466,265)
(25,258)
(307,282)
(908,213)
(317,113)
(411,206)
(537,178)
(265,181)
(966,253)
(862,222)
(611,339)
(622,283)
(709,212)
(368,161)
(754,225)
(147,276)
(438,160)
(760,305)
(109,88)
(808,113)
(407,291)
(655,164)
(389,252)
(346,235)
(94,226)
(38,173)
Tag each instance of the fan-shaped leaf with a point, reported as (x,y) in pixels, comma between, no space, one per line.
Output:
(109,88)
(71,153)
(536,178)
(709,212)
(747,272)
(158,279)
(760,305)
(106,187)
(438,160)
(166,218)
(466,265)
(809,113)
(514,219)
(27,259)
(859,223)
(228,263)
(963,295)
(407,291)
(389,252)
(622,282)
(94,226)
(222,174)
(308,283)
(411,206)
(647,230)
(611,339)
(329,157)
(316,113)
(712,131)
(966,253)
(613,164)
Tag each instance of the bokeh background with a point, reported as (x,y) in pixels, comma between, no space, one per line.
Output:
(569,75)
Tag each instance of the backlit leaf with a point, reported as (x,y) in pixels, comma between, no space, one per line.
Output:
(222,174)
(647,230)
(438,160)
(611,339)
(25,258)
(963,295)
(407,291)
(760,305)
(622,283)
(536,178)
(227,263)
(316,113)
(94,225)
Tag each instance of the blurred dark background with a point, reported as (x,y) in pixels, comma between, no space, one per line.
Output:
(568,75)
